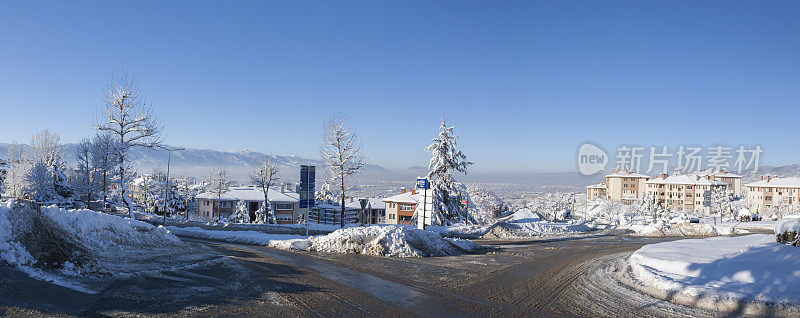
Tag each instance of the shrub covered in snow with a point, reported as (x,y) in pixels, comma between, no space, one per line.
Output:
(396,241)
(787,232)
(507,230)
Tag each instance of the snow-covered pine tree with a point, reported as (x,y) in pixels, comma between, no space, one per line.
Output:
(241,214)
(447,193)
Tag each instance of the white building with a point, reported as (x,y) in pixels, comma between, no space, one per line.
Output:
(400,208)
(771,192)
(375,212)
(284,204)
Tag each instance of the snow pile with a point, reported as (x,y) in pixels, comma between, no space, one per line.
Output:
(59,245)
(681,229)
(245,237)
(505,230)
(718,269)
(787,232)
(395,241)
(525,215)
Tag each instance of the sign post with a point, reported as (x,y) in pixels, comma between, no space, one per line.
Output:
(363,203)
(423,184)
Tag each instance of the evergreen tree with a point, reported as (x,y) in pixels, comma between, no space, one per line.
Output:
(447,193)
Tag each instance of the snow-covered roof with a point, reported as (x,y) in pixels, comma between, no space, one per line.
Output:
(249,193)
(627,175)
(374,203)
(335,207)
(718,173)
(597,186)
(403,198)
(686,179)
(790,182)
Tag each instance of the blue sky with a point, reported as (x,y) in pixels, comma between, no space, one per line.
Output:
(524,82)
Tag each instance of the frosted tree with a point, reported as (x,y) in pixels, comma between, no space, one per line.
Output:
(720,201)
(103,162)
(447,193)
(40,183)
(324,193)
(341,154)
(218,184)
(46,148)
(130,123)
(241,214)
(264,176)
(18,167)
(82,181)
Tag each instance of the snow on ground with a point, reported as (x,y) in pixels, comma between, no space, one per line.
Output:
(681,229)
(69,246)
(525,215)
(511,230)
(245,237)
(741,268)
(394,241)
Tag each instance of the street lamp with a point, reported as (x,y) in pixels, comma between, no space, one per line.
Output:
(166,182)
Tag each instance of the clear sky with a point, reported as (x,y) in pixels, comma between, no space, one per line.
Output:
(524,82)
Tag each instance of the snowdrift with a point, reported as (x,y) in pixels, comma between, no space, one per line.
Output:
(394,241)
(721,271)
(525,215)
(681,229)
(52,243)
(505,230)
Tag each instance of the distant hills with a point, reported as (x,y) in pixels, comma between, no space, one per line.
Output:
(197,163)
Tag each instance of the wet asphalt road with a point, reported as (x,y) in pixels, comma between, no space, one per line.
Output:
(542,277)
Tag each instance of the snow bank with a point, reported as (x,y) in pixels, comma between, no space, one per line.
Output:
(525,215)
(395,241)
(58,245)
(751,267)
(245,237)
(681,229)
(506,230)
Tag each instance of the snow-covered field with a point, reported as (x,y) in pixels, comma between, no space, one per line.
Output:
(245,237)
(721,271)
(395,241)
(63,246)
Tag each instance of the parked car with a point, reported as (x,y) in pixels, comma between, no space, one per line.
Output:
(694,220)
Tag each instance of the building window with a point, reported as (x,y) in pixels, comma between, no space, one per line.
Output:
(406,207)
(283,206)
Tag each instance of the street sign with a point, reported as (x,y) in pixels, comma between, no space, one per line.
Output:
(423,183)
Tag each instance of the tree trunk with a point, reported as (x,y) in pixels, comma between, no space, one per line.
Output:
(342,210)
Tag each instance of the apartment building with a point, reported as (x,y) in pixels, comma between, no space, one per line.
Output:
(284,204)
(625,186)
(771,192)
(685,192)
(400,208)
(733,180)
(596,191)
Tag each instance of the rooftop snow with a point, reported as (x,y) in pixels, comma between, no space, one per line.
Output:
(250,194)
(374,203)
(685,179)
(792,182)
(403,198)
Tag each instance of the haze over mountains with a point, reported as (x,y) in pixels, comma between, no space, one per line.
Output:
(197,163)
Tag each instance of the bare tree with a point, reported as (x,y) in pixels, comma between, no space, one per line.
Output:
(104,161)
(130,123)
(218,184)
(83,182)
(264,176)
(341,153)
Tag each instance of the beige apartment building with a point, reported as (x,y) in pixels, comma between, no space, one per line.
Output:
(625,186)
(771,192)
(734,181)
(596,191)
(685,192)
(400,208)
